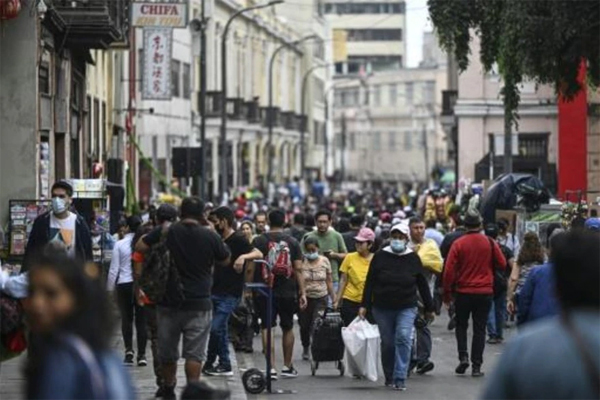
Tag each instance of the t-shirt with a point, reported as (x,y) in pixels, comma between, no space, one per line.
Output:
(195,250)
(296,232)
(63,231)
(282,286)
(227,281)
(356,268)
(331,240)
(315,277)
(349,239)
(153,237)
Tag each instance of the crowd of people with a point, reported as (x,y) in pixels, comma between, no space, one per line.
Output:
(180,276)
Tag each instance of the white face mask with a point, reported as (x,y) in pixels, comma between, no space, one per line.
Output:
(59,205)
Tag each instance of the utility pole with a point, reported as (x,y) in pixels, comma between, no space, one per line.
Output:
(426,153)
(202,102)
(507,143)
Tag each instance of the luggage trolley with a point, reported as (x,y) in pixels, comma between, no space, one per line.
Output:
(254,380)
(327,344)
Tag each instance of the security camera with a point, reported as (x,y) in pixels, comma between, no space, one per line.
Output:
(196,25)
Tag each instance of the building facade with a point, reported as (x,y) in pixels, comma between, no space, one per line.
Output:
(375,33)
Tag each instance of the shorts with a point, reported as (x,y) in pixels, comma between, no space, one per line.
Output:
(193,325)
(284,307)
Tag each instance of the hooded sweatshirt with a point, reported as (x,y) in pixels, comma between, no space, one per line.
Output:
(393,279)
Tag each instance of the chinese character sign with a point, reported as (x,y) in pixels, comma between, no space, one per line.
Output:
(157,63)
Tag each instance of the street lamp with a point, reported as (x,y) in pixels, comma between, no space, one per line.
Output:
(270,108)
(223,138)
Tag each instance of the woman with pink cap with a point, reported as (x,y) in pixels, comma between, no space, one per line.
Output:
(354,275)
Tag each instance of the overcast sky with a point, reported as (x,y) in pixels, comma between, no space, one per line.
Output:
(417,22)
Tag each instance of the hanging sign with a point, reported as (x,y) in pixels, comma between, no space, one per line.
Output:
(172,15)
(156,83)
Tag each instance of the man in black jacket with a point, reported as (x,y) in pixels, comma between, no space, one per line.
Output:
(60,226)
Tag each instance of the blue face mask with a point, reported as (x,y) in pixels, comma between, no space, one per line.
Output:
(398,246)
(311,256)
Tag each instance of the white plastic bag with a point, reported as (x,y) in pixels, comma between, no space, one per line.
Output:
(363,349)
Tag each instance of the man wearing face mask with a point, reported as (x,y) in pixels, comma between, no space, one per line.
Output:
(61,226)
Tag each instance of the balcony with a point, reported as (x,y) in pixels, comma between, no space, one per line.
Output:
(213,104)
(234,109)
(290,121)
(253,114)
(89,24)
(274,115)
(302,122)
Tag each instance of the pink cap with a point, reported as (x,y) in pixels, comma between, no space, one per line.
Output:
(365,235)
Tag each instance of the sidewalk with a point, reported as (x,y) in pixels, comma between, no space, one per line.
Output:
(12,382)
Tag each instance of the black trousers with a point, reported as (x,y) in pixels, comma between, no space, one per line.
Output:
(152,329)
(130,311)
(349,311)
(477,307)
(307,317)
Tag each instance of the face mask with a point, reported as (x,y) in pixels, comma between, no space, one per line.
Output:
(311,256)
(398,246)
(59,205)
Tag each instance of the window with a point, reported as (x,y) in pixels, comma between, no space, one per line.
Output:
(407,140)
(428,92)
(175,72)
(141,64)
(375,63)
(377,95)
(367,35)
(376,140)
(409,87)
(96,128)
(352,140)
(356,97)
(392,141)
(44,78)
(365,7)
(187,81)
(393,94)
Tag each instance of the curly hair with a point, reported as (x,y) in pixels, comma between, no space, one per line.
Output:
(531,251)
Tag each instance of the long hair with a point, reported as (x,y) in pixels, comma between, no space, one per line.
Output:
(532,250)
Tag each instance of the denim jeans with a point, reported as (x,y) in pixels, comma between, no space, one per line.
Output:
(496,317)
(395,328)
(218,345)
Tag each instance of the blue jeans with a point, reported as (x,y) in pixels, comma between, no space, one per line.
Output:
(395,328)
(497,316)
(218,345)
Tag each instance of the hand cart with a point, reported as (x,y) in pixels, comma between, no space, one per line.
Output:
(254,380)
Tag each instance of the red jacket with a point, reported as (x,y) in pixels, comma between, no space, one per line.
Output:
(469,266)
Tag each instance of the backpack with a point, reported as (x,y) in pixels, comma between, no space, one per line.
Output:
(279,258)
(158,268)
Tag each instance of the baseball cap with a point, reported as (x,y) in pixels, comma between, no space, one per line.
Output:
(386,217)
(593,224)
(365,235)
(240,214)
(401,227)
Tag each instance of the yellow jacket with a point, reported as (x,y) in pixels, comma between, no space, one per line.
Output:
(430,256)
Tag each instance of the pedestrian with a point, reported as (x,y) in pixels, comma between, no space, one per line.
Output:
(432,233)
(429,253)
(331,243)
(356,223)
(537,298)
(497,315)
(469,278)
(450,238)
(289,293)
(227,289)
(558,357)
(395,275)
(60,225)
(507,238)
(247,228)
(260,222)
(318,285)
(297,230)
(69,317)
(121,277)
(186,309)
(530,255)
(147,238)
(353,275)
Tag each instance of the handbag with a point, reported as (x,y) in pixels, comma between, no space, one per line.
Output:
(500,281)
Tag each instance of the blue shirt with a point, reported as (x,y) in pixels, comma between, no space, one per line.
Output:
(435,235)
(537,298)
(543,361)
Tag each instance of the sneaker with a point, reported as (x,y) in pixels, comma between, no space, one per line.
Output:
(142,361)
(128,357)
(493,340)
(220,370)
(476,372)
(289,372)
(389,384)
(306,354)
(452,324)
(426,367)
(400,386)
(462,367)
(274,375)
(169,393)
(159,393)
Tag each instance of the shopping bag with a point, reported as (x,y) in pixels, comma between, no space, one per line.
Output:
(362,343)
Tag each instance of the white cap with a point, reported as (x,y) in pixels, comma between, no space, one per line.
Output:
(401,227)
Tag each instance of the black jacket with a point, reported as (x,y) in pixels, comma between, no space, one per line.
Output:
(40,236)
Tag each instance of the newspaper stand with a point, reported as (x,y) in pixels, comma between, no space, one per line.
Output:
(254,380)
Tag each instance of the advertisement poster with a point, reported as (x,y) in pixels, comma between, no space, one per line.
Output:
(156,83)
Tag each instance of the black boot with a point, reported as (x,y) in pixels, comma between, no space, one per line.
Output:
(476,371)
(463,366)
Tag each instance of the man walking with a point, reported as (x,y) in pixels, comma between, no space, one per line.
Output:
(297,230)
(469,276)
(186,309)
(356,222)
(288,288)
(60,226)
(331,243)
(428,252)
(260,222)
(227,290)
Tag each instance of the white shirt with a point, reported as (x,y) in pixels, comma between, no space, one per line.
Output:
(63,231)
(120,265)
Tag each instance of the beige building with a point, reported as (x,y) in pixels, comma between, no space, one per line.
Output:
(480,117)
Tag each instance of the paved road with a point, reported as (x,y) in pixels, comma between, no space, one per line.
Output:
(441,383)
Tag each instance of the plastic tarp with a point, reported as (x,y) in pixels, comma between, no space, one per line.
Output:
(510,190)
